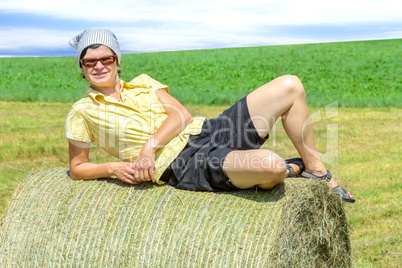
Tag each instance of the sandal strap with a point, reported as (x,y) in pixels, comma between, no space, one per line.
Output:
(291,171)
(327,177)
(295,161)
(343,194)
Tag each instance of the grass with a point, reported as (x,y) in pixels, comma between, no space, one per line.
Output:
(356,74)
(36,93)
(31,137)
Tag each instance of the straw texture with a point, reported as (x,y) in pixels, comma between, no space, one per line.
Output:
(54,221)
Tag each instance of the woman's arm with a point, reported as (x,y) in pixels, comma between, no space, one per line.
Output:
(80,168)
(178,119)
(143,170)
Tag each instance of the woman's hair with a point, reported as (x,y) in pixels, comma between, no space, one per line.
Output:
(86,49)
(94,46)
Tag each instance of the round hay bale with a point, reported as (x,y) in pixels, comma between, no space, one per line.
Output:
(55,221)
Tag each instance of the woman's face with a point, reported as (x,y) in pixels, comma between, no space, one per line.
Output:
(101,75)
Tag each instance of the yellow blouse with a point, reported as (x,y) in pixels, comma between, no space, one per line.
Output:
(121,128)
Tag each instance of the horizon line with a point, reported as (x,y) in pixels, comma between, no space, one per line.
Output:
(72,53)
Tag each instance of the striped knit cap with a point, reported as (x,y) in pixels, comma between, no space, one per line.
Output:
(95,36)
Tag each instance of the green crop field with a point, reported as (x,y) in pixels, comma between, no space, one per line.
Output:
(356,74)
(364,78)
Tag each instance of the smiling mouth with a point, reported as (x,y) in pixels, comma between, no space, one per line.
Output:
(100,74)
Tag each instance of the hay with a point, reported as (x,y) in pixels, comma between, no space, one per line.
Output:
(55,221)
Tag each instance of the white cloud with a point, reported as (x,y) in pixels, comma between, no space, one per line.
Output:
(181,24)
(190,38)
(393,35)
(220,13)
(17,38)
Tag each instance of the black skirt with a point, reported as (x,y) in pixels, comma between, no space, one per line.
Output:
(199,165)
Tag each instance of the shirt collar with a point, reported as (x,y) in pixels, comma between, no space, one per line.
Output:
(98,96)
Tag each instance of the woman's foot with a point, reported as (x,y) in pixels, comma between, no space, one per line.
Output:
(296,168)
(327,176)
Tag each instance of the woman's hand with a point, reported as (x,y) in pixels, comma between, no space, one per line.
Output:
(144,167)
(82,169)
(124,171)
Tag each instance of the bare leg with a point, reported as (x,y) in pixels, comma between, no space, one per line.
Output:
(285,97)
(248,168)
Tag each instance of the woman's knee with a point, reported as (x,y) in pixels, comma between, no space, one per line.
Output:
(272,182)
(291,84)
(258,167)
(275,171)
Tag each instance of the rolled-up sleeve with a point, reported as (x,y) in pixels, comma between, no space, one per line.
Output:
(76,127)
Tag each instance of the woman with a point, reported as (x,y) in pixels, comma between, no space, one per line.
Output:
(158,140)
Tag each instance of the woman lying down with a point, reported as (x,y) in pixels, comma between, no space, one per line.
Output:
(158,140)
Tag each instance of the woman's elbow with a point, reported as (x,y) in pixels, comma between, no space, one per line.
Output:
(186,117)
(189,119)
(74,175)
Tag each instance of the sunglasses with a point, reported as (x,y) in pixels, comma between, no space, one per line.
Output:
(92,62)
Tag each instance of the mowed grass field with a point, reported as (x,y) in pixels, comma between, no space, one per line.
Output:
(369,165)
(363,78)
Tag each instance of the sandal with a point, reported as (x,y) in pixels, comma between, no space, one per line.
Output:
(342,193)
(338,190)
(327,177)
(296,161)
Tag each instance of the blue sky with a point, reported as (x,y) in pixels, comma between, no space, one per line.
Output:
(44,27)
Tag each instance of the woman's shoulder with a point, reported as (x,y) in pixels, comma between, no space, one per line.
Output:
(83,103)
(141,77)
(144,81)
